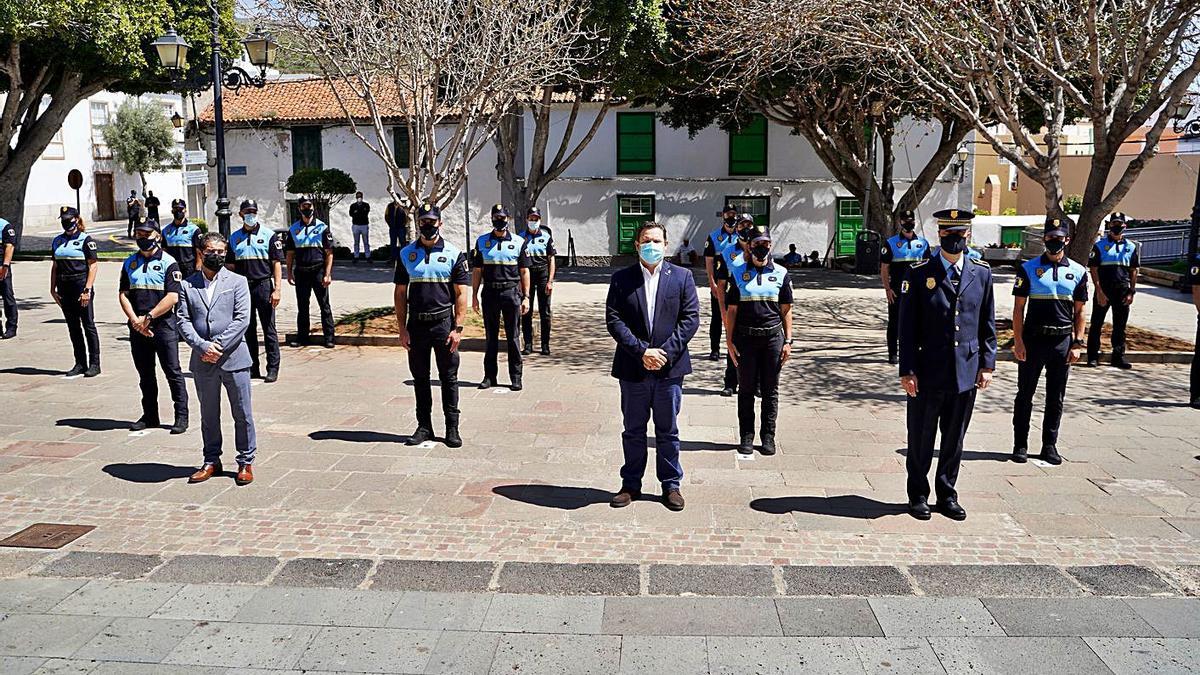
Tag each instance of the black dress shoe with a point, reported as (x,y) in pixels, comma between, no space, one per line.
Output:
(952,510)
(92,371)
(516,385)
(297,342)
(143,424)
(1093,363)
(1050,455)
(179,427)
(453,440)
(527,351)
(919,508)
(545,351)
(746,447)
(892,359)
(1020,454)
(1122,364)
(272,375)
(714,356)
(1196,403)
(486,383)
(8,335)
(329,343)
(419,436)
(768,444)
(727,392)
(76,371)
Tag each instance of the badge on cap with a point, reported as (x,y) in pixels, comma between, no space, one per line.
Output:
(930,283)
(426,206)
(953,214)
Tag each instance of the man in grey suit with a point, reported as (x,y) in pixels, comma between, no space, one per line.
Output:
(214,313)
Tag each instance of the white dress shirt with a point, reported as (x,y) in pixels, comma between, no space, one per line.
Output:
(651,288)
(209,286)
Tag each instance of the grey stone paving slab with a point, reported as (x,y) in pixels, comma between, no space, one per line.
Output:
(1065,617)
(690,616)
(104,597)
(747,580)
(243,645)
(539,654)
(842,580)
(20,665)
(783,655)
(1036,581)
(1147,655)
(205,603)
(462,653)
(827,617)
(101,565)
(15,562)
(323,572)
(318,607)
(566,579)
(35,595)
(679,655)
(930,617)
(450,576)
(1171,617)
(1068,655)
(544,614)
(137,640)
(44,635)
(112,668)
(440,611)
(896,655)
(215,569)
(1126,580)
(68,667)
(369,650)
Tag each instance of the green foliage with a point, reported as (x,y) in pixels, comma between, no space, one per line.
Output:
(199,222)
(1010,211)
(325,186)
(982,212)
(1073,204)
(142,138)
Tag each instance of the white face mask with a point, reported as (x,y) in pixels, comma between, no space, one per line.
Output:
(358,199)
(533,225)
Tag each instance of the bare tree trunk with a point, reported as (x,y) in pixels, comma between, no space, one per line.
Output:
(13,181)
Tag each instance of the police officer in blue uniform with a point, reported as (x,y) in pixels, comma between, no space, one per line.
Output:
(500,263)
(947,352)
(539,243)
(8,246)
(714,245)
(1193,278)
(1051,291)
(149,289)
(431,305)
(257,254)
(181,237)
(72,278)
(730,261)
(896,256)
(309,249)
(759,307)
(1113,263)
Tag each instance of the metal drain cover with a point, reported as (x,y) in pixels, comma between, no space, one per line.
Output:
(46,535)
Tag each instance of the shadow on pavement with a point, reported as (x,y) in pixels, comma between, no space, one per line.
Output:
(554,496)
(149,472)
(94,424)
(846,506)
(969,455)
(25,370)
(697,446)
(1140,403)
(357,436)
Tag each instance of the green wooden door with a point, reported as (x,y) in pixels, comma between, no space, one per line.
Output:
(632,211)
(849,222)
(759,207)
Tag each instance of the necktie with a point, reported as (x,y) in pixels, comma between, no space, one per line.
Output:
(953,273)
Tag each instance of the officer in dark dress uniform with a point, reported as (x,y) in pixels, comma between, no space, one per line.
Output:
(947,352)
(72,277)
(500,263)
(896,256)
(1051,291)
(1194,279)
(539,244)
(8,246)
(714,245)
(759,302)
(181,238)
(257,254)
(1113,263)
(149,289)
(431,305)
(309,248)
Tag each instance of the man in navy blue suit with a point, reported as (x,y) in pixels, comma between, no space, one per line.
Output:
(652,312)
(947,352)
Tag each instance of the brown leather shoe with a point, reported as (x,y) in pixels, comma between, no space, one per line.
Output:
(673,500)
(624,498)
(245,475)
(207,471)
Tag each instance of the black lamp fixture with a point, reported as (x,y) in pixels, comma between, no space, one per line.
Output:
(177,120)
(1189,127)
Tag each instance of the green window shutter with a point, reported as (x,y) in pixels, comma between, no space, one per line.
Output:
(306,148)
(635,143)
(748,149)
(400,146)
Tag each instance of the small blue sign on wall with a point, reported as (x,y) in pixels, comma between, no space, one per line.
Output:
(237,171)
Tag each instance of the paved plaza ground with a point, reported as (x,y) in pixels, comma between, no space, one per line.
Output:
(529,490)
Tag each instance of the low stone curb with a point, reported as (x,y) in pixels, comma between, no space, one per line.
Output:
(1132,357)
(472,344)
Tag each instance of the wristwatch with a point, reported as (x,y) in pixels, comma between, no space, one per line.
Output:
(1076,343)
(789,341)
(458,329)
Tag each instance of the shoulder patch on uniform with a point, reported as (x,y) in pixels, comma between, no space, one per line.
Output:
(91,246)
(1019,282)
(412,256)
(918,264)
(745,276)
(177,276)
(1196,270)
(980,261)
(930,283)
(904,286)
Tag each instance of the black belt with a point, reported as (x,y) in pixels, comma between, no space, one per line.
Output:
(1049,331)
(309,268)
(500,285)
(759,332)
(71,276)
(427,317)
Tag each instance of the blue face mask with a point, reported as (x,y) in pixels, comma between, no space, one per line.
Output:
(250,219)
(651,252)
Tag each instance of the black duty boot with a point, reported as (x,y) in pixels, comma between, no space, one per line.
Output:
(746,447)
(526,350)
(180,426)
(1050,455)
(487,383)
(422,434)
(453,440)
(1020,454)
(768,444)
(144,423)
(1118,361)
(77,371)
(516,384)
(92,371)
(272,375)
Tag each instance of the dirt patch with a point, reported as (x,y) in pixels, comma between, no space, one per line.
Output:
(1136,339)
(381,321)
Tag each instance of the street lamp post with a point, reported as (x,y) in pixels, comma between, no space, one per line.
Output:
(875,111)
(1190,129)
(260,47)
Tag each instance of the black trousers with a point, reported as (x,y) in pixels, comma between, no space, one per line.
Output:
(893,327)
(262,312)
(1047,353)
(10,303)
(930,411)
(538,277)
(714,326)
(429,337)
(1120,311)
(1196,365)
(164,346)
(758,371)
(308,281)
(500,304)
(81,321)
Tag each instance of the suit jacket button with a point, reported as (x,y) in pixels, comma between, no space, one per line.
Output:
(956,343)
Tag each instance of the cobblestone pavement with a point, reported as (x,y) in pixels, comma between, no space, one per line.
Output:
(532,482)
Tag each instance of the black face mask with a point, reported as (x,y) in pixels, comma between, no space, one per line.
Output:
(730,220)
(1055,246)
(429,231)
(178,213)
(954,243)
(907,227)
(146,244)
(214,261)
(1117,229)
(67,223)
(760,252)
(307,213)
(744,234)
(499,224)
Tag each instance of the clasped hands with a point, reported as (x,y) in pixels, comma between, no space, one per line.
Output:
(213,354)
(654,358)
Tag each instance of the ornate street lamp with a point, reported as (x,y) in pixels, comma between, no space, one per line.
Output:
(875,112)
(1183,123)
(177,121)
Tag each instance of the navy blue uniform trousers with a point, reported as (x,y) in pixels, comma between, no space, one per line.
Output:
(931,411)
(501,304)
(658,399)
(1047,353)
(164,346)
